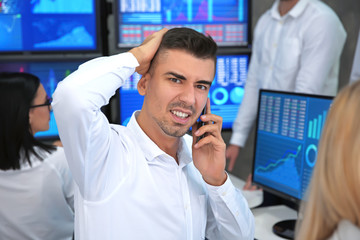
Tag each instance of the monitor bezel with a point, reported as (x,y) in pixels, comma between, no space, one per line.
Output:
(276,192)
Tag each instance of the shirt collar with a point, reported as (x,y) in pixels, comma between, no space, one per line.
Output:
(152,151)
(295,12)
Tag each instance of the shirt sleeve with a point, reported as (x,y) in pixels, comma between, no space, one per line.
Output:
(322,46)
(355,71)
(229,216)
(84,130)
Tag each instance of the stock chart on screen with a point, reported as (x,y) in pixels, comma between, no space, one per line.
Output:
(288,130)
(226,21)
(47,25)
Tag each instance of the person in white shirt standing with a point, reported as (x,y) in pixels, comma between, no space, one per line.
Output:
(297,47)
(150,180)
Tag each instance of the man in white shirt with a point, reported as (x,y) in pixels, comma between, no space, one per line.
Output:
(149,180)
(297,47)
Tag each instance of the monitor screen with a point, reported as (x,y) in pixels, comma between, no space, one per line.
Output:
(226,21)
(226,92)
(50,73)
(48,25)
(288,129)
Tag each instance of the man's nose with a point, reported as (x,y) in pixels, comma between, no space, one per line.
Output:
(188,95)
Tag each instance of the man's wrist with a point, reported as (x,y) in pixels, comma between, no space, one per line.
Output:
(217,181)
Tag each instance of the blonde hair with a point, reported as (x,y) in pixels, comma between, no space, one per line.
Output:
(334,192)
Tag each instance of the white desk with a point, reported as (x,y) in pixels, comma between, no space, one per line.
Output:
(266,217)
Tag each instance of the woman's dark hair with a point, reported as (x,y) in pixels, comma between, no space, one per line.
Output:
(17,92)
(189,40)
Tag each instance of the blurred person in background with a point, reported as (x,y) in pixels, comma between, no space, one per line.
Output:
(36,186)
(332,210)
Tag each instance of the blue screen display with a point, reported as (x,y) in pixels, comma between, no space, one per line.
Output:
(288,130)
(50,74)
(226,92)
(225,20)
(47,25)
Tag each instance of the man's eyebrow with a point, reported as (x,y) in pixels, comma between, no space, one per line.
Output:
(176,75)
(179,76)
(205,82)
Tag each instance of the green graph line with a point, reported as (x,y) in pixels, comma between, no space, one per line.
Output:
(290,155)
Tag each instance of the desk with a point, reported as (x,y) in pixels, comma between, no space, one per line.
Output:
(254,198)
(266,217)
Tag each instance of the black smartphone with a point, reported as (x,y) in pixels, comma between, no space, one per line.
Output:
(200,124)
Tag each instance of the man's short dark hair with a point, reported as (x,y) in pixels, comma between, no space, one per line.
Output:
(189,40)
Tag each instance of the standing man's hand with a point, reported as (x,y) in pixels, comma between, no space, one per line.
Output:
(209,152)
(146,51)
(232,152)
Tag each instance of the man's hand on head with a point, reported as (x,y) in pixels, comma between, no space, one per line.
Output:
(146,51)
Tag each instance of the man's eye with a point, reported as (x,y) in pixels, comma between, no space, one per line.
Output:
(175,80)
(202,87)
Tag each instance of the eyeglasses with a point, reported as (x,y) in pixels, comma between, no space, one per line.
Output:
(47,103)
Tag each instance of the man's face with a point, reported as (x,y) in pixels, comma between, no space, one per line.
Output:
(176,90)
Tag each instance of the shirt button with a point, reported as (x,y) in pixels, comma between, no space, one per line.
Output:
(224,193)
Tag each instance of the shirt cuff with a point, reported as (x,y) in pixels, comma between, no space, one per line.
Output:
(220,193)
(238,139)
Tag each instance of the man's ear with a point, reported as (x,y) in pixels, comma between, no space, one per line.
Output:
(143,84)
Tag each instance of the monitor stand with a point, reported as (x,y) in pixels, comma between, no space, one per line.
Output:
(285,229)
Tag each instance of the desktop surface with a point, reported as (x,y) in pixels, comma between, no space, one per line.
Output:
(266,217)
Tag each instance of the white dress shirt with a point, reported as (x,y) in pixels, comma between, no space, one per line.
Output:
(37,202)
(128,188)
(299,52)
(355,71)
(345,230)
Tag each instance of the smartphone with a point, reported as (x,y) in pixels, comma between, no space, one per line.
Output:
(200,124)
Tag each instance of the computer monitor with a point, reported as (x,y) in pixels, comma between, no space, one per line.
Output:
(49,26)
(227,21)
(288,129)
(226,92)
(50,73)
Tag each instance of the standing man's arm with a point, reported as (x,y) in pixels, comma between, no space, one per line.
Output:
(85,132)
(322,46)
(83,128)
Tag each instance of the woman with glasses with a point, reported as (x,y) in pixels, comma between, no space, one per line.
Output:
(36,186)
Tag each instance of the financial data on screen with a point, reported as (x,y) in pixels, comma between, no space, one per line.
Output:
(226,92)
(288,130)
(47,25)
(50,74)
(226,21)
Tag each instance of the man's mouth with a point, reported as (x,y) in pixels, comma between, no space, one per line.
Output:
(180,114)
